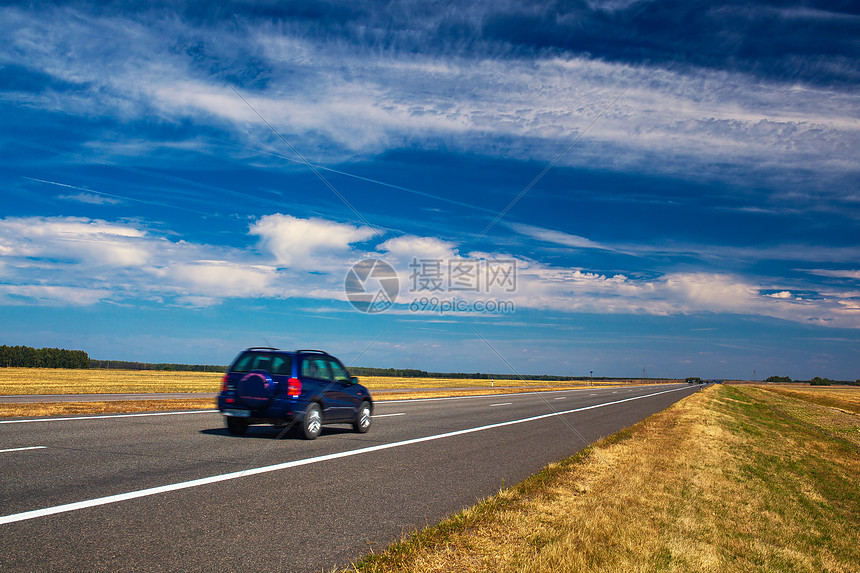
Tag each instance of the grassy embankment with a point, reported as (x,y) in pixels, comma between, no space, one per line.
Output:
(729,479)
(96,381)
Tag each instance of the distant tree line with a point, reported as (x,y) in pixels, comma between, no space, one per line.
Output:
(27,357)
(127,365)
(816,381)
(413,373)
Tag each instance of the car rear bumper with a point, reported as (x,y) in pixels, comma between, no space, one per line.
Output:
(279,411)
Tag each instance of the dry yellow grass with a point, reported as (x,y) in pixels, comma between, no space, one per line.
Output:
(398,382)
(96,381)
(843,397)
(15,381)
(721,481)
(834,410)
(469,392)
(103,407)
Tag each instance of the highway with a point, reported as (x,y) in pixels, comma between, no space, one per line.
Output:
(176,492)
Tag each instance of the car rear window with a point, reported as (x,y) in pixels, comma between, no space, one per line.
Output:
(266,361)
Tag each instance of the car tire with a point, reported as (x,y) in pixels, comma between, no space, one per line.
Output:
(236,426)
(363,418)
(312,422)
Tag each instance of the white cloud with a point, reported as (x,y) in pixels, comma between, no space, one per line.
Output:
(349,101)
(75,239)
(80,261)
(83,261)
(407,247)
(91,198)
(307,243)
(842,274)
(219,279)
(50,295)
(558,237)
(781,294)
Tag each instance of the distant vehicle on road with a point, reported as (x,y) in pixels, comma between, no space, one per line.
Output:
(302,390)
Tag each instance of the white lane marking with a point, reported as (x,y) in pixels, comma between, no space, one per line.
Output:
(266,469)
(502,404)
(561,398)
(22,449)
(105,416)
(386,415)
(592,394)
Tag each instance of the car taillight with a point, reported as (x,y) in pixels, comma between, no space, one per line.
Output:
(294,387)
(224,383)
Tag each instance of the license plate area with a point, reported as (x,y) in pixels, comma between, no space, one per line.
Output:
(237,413)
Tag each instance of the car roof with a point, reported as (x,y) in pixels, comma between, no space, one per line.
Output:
(273,349)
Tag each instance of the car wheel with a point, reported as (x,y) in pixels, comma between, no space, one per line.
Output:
(236,426)
(363,419)
(312,423)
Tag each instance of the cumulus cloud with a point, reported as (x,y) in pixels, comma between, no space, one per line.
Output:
(307,243)
(74,239)
(77,261)
(405,248)
(780,294)
(82,261)
(219,279)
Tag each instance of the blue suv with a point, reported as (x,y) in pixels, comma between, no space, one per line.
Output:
(302,390)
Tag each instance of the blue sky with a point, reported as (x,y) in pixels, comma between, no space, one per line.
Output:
(675,183)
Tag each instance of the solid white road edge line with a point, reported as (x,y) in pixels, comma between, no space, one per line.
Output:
(22,449)
(296,463)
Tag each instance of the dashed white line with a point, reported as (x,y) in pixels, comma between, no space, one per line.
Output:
(502,404)
(22,449)
(386,415)
(561,398)
(15,517)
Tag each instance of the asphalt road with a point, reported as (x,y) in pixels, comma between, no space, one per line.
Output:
(178,493)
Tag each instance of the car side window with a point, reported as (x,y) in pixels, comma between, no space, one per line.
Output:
(281,366)
(316,368)
(339,372)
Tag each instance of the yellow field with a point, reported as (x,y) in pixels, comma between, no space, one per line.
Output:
(65,381)
(396,383)
(41,409)
(97,381)
(843,397)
